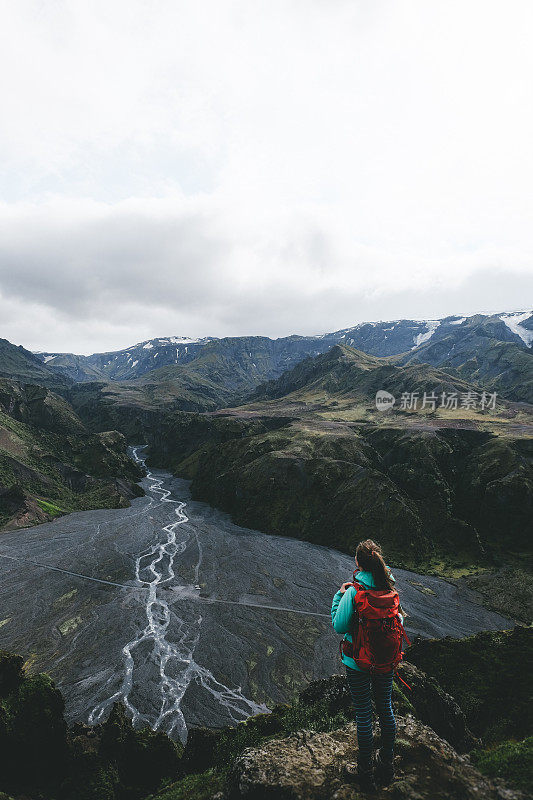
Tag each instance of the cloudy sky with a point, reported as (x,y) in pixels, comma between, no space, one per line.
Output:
(222,167)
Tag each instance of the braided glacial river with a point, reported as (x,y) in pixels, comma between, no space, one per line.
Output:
(183,616)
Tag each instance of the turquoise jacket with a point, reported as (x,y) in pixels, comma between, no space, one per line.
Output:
(342,611)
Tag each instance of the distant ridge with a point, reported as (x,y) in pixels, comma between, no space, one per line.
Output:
(495,350)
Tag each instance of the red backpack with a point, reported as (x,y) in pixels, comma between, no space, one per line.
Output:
(378,632)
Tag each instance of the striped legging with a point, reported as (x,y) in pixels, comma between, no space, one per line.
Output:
(359,684)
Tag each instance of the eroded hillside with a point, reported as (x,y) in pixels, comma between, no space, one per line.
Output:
(51,464)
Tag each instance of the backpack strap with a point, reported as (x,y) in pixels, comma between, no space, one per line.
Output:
(356,632)
(357,587)
(402,680)
(404,635)
(355,627)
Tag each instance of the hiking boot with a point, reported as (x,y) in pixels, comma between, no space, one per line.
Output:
(384,769)
(361,774)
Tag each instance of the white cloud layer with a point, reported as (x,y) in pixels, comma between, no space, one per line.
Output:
(229,167)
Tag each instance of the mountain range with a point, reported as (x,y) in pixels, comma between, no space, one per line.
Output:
(387,338)
(492,351)
(242,415)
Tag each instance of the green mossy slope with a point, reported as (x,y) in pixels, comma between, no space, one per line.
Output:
(438,500)
(51,464)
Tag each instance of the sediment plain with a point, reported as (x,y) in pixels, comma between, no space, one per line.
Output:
(186,617)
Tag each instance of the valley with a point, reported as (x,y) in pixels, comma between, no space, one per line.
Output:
(310,456)
(174,523)
(185,617)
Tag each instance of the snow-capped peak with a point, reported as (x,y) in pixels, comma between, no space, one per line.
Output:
(183,340)
(513,321)
(169,340)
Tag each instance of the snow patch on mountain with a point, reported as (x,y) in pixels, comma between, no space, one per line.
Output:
(48,358)
(432,325)
(458,321)
(170,340)
(513,322)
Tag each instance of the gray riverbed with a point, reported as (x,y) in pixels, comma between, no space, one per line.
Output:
(184,616)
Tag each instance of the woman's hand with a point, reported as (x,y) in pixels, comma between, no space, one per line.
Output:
(345,586)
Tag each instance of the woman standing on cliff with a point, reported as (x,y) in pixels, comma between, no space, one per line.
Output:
(367,613)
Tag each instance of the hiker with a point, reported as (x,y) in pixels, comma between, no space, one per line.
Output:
(368,613)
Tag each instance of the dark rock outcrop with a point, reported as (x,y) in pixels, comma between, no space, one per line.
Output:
(437,709)
(488,677)
(309,766)
(333,691)
(43,758)
(11,673)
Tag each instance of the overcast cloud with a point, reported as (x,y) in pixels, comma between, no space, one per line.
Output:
(228,167)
